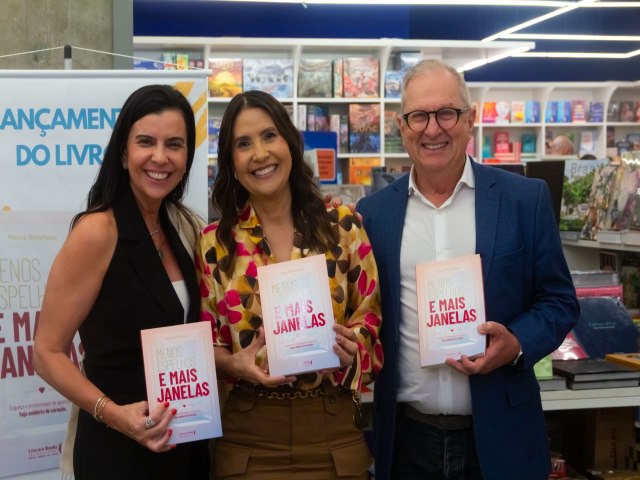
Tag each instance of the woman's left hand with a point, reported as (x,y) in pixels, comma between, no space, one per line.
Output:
(346,346)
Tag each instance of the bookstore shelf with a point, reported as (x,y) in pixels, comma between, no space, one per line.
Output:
(600,398)
(578,399)
(589,106)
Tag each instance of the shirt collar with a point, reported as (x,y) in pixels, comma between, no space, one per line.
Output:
(467,179)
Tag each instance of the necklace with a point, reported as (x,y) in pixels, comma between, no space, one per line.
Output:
(156,229)
(159,250)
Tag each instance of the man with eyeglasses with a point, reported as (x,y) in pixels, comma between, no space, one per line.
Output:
(468,419)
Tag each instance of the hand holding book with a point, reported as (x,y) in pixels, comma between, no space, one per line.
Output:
(242,364)
(502,347)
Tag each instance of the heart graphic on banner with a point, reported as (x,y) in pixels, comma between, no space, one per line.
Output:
(41,389)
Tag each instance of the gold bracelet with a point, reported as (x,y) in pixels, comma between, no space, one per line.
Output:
(99,408)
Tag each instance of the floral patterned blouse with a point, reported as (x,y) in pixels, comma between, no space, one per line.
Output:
(232,303)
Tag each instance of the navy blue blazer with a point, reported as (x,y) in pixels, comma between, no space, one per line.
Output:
(527,287)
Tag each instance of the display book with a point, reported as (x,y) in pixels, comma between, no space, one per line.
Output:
(180,369)
(603,327)
(297,316)
(450,308)
(614,203)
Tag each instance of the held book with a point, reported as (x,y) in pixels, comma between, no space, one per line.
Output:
(450,308)
(297,316)
(593,370)
(179,368)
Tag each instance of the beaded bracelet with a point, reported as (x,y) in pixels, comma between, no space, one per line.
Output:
(99,408)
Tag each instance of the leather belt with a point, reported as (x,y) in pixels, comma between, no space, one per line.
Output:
(441,422)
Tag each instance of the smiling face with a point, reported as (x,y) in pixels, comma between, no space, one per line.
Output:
(434,149)
(261,156)
(156,156)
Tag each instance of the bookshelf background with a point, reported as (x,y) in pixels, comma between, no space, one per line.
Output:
(461,54)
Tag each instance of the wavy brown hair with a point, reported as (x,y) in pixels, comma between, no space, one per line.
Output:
(310,218)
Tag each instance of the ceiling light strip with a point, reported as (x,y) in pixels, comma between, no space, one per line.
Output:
(577,55)
(561,36)
(539,19)
(499,3)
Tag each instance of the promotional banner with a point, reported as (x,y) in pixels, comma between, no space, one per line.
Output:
(54,128)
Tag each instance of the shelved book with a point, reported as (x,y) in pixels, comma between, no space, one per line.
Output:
(599,201)
(361,77)
(450,308)
(364,128)
(392,138)
(179,368)
(297,316)
(226,77)
(360,170)
(592,370)
(315,77)
(576,187)
(274,76)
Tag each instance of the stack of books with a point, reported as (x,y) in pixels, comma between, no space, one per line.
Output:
(594,373)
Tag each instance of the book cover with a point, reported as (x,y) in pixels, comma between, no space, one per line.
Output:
(551,112)
(315,77)
(605,326)
(569,349)
(613,111)
(578,110)
(630,279)
(226,77)
(626,111)
(450,308)
(564,111)
(501,143)
(360,170)
(182,61)
(528,141)
(599,201)
(338,67)
(596,112)
(593,369)
(631,360)
(364,128)
(517,111)
(532,111)
(624,207)
(588,138)
(213,132)
(274,76)
(321,148)
(392,138)
(297,316)
(169,60)
(576,187)
(393,83)
(503,112)
(179,368)
(552,172)
(489,113)
(360,77)
(318,119)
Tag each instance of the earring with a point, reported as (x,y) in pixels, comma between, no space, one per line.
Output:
(235,175)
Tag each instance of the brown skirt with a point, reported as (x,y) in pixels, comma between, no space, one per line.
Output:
(310,438)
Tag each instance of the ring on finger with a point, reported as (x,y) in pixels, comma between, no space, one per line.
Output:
(149,422)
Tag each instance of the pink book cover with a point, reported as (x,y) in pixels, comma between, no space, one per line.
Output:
(297,316)
(450,308)
(179,367)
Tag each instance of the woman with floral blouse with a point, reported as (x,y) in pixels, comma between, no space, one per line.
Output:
(283,427)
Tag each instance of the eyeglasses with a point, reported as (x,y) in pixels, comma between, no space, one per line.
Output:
(447,117)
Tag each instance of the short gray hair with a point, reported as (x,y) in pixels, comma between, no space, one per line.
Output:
(431,65)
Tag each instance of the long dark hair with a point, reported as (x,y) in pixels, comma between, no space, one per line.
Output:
(112,177)
(310,217)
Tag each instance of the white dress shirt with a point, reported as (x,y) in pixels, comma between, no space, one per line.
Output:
(432,234)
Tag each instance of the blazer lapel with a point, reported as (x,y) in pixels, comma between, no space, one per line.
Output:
(144,258)
(487,204)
